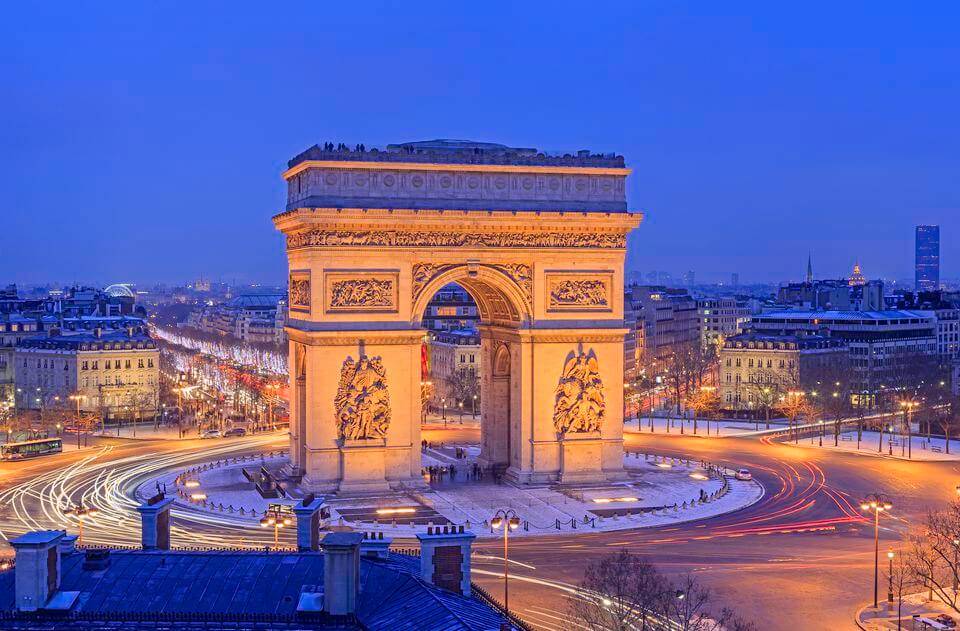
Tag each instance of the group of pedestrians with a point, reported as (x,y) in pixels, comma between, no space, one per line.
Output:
(467,472)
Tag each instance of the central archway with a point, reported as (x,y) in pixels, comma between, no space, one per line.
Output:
(504,311)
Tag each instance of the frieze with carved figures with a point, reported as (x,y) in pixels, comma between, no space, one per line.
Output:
(326,238)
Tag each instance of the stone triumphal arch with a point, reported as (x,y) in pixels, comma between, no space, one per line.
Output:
(539,243)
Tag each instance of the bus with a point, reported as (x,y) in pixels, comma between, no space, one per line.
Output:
(30,448)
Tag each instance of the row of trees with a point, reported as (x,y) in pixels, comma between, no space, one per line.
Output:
(624,592)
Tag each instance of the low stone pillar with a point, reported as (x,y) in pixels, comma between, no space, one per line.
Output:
(308,523)
(341,572)
(445,558)
(37,573)
(155,522)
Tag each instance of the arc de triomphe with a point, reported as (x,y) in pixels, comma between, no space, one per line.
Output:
(537,240)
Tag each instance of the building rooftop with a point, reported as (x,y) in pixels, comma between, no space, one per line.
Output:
(798,315)
(447,151)
(260,588)
(255,301)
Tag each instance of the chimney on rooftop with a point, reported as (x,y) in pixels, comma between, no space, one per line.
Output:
(309,512)
(37,573)
(341,572)
(155,522)
(445,558)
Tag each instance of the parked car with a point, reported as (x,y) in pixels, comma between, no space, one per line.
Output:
(946,621)
(744,474)
(236,431)
(212,433)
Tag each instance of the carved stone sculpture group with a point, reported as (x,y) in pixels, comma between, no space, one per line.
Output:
(581,293)
(362,292)
(300,292)
(362,403)
(579,405)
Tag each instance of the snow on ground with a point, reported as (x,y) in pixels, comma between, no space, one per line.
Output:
(657,491)
(726,427)
(934,449)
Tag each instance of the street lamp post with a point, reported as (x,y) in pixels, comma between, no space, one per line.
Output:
(274,387)
(877,503)
(473,407)
(77,398)
(80,511)
(821,432)
(908,407)
(507,519)
(278,521)
(443,410)
(460,405)
(890,576)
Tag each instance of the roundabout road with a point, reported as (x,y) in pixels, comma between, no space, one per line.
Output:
(802,554)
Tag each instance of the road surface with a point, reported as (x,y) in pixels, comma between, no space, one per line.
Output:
(801,554)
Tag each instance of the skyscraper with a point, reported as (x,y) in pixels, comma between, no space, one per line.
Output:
(927,275)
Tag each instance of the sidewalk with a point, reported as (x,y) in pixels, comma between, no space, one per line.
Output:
(885,616)
(718,428)
(923,451)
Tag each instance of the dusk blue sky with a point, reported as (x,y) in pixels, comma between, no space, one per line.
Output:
(144,141)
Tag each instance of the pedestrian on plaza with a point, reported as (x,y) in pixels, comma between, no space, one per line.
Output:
(453,472)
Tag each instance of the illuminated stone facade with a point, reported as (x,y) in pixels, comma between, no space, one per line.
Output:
(538,242)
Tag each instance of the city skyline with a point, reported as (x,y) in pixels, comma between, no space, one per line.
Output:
(174,138)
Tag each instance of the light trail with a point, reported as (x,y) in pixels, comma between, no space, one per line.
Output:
(108,483)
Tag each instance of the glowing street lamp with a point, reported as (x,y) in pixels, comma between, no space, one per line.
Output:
(275,388)
(877,503)
(908,408)
(78,398)
(80,511)
(508,520)
(890,575)
(278,521)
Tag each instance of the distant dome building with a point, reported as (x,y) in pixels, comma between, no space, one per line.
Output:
(856,279)
(119,291)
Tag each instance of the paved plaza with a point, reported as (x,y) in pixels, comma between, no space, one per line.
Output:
(658,491)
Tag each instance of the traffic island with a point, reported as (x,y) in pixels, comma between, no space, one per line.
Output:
(658,491)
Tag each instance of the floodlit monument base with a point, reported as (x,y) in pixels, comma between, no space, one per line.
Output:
(539,244)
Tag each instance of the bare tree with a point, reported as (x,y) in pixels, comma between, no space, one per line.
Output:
(623,592)
(687,608)
(704,402)
(464,384)
(829,386)
(933,554)
(619,592)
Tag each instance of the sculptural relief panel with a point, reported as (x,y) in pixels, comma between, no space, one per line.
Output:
(580,291)
(361,290)
(579,405)
(362,401)
(300,297)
